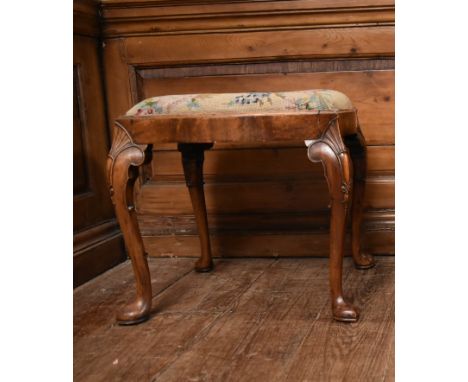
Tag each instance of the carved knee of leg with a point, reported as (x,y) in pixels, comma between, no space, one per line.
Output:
(331,151)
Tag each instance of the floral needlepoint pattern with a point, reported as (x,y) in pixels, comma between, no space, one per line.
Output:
(251,98)
(193,104)
(149,107)
(312,101)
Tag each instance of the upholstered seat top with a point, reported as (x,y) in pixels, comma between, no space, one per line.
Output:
(243,103)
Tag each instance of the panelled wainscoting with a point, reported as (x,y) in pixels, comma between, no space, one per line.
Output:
(97,241)
(264,200)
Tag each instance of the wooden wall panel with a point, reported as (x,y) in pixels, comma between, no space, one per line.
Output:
(273,195)
(91,143)
(256,244)
(124,18)
(278,45)
(80,173)
(97,242)
(303,221)
(267,200)
(372,91)
(253,163)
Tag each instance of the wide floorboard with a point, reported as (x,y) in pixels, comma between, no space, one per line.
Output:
(249,320)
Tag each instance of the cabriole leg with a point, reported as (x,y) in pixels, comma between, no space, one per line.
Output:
(357,149)
(330,150)
(122,166)
(192,161)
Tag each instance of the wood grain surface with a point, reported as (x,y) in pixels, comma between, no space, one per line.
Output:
(251,319)
(162,18)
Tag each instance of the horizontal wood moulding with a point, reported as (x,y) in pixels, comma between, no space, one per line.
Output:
(150,18)
(263,244)
(281,67)
(96,249)
(293,4)
(278,45)
(255,164)
(93,235)
(157,225)
(253,197)
(96,259)
(371,91)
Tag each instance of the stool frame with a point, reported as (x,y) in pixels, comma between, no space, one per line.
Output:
(337,142)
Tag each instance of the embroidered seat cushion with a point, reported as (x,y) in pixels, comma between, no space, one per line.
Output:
(243,103)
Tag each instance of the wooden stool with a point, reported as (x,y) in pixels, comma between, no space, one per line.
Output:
(325,119)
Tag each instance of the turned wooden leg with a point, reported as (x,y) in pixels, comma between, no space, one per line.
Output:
(331,151)
(192,160)
(357,148)
(122,167)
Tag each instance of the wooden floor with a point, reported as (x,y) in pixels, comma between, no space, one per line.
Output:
(249,320)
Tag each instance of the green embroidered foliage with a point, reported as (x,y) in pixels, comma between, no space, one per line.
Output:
(193,104)
(150,107)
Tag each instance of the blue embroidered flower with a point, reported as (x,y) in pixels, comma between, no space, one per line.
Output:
(314,102)
(251,98)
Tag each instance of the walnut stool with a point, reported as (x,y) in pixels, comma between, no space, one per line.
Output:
(325,119)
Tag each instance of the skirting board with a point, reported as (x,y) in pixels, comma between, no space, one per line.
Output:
(95,251)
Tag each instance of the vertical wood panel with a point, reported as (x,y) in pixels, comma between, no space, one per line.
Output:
(94,205)
(80,172)
(97,240)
